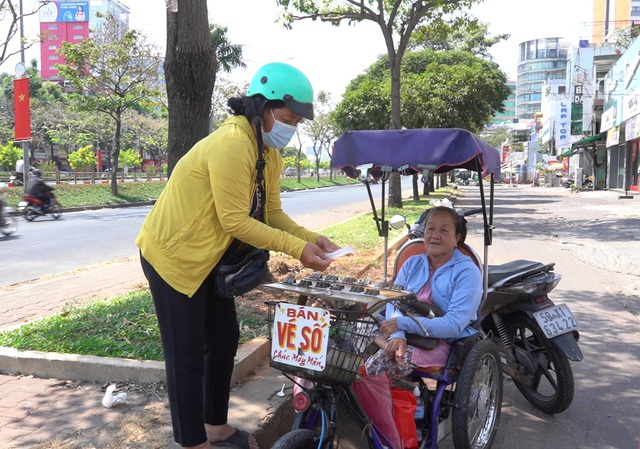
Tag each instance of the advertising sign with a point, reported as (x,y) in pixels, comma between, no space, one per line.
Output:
(64,12)
(609,117)
(300,336)
(563,123)
(613,136)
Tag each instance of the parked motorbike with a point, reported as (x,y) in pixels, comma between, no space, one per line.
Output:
(8,224)
(588,182)
(32,207)
(16,179)
(535,337)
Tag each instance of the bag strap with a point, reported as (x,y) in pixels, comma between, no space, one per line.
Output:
(260,164)
(262,191)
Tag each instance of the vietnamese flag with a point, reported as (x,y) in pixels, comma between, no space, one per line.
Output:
(21,108)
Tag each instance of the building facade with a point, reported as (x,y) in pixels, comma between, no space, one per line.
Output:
(539,60)
(621,120)
(612,15)
(502,118)
(71,21)
(60,22)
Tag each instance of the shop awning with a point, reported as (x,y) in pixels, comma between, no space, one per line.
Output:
(585,141)
(568,152)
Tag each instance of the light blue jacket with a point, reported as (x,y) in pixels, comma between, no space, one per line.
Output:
(456,288)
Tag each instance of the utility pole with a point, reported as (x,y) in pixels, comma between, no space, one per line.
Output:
(21,35)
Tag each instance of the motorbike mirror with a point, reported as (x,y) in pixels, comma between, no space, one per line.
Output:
(397,221)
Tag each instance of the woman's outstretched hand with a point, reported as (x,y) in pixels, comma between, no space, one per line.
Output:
(314,257)
(326,245)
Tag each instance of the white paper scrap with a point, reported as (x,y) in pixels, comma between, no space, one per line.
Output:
(340,252)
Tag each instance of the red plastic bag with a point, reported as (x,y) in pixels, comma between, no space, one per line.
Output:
(374,393)
(404,406)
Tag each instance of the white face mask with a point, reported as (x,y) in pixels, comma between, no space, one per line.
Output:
(280,134)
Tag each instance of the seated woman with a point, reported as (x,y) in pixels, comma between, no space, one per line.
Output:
(442,276)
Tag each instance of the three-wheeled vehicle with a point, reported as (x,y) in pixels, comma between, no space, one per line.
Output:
(320,342)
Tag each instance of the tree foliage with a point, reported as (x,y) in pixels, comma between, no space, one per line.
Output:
(321,130)
(84,159)
(130,158)
(446,89)
(397,20)
(9,155)
(114,71)
(462,32)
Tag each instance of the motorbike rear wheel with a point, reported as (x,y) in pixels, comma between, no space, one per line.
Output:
(56,211)
(552,388)
(10,226)
(478,396)
(30,214)
(298,439)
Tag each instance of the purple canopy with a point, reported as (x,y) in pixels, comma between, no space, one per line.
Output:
(406,150)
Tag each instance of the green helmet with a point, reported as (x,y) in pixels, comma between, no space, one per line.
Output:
(280,81)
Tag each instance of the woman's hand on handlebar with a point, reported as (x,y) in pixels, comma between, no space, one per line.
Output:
(314,257)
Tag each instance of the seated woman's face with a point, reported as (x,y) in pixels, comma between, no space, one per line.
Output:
(440,238)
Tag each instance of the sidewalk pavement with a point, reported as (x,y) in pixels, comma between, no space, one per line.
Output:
(64,402)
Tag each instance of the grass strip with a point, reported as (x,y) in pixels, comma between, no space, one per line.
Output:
(126,326)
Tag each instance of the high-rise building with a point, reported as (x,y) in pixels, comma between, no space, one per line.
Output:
(539,61)
(610,15)
(114,7)
(509,105)
(71,21)
(60,22)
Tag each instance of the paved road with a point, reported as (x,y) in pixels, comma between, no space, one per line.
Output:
(591,237)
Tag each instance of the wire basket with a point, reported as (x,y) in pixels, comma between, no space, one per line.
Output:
(350,335)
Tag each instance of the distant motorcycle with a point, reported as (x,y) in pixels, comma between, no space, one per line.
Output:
(32,207)
(8,224)
(16,179)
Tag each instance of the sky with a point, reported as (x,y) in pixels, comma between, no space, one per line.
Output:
(332,56)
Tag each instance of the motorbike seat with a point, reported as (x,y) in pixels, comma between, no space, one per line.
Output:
(499,272)
(32,199)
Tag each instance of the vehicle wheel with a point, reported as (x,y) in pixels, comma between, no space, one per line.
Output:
(56,211)
(551,390)
(478,398)
(30,214)
(10,226)
(298,439)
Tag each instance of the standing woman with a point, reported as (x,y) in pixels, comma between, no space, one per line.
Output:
(211,198)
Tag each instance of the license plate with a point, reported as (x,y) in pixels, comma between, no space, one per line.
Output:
(22,205)
(556,320)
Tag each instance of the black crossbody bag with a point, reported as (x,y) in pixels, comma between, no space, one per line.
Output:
(243,267)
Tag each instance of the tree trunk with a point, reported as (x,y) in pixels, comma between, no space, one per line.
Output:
(116,156)
(190,74)
(395,184)
(416,191)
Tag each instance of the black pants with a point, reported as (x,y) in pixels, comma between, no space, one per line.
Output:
(200,337)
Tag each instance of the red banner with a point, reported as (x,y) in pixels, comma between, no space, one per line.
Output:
(21,108)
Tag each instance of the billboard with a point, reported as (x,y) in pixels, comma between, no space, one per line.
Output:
(65,12)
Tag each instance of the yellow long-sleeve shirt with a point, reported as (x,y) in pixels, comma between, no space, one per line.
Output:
(206,204)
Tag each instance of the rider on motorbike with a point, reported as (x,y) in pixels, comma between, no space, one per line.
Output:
(38,188)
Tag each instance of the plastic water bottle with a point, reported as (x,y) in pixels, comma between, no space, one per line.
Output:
(419,414)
